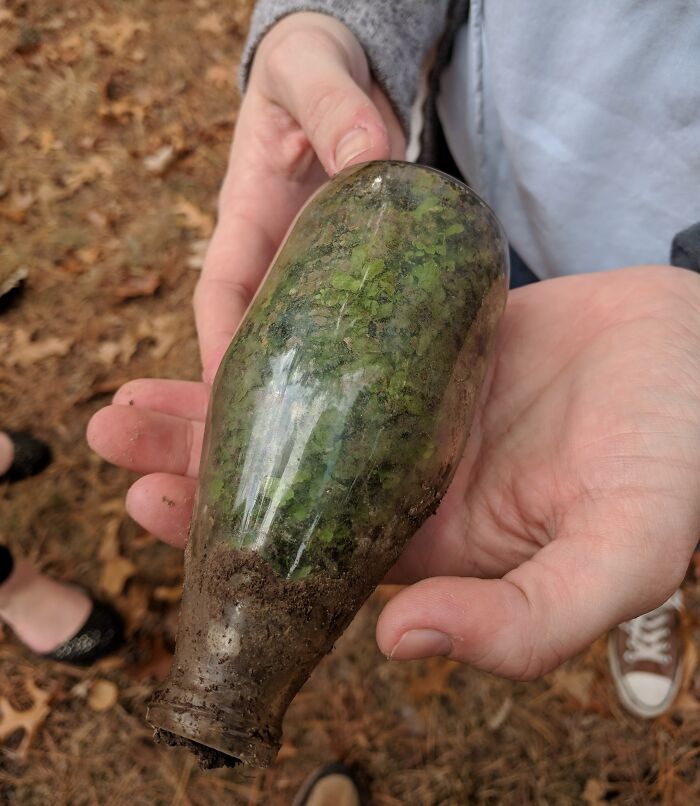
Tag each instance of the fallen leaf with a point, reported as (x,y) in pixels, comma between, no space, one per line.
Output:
(172,594)
(158,664)
(70,48)
(594,792)
(210,23)
(16,206)
(46,140)
(109,546)
(687,703)
(113,37)
(89,255)
(109,352)
(144,285)
(219,76)
(123,110)
(29,720)
(134,605)
(114,575)
(113,506)
(574,682)
(197,254)
(434,679)
(26,352)
(162,159)
(103,695)
(193,218)
(24,132)
(164,329)
(71,263)
(12,280)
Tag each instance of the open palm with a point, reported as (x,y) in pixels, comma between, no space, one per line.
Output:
(576,505)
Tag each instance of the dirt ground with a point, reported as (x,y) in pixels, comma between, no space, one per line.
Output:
(115,120)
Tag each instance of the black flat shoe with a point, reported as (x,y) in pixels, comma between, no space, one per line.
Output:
(31,456)
(102,634)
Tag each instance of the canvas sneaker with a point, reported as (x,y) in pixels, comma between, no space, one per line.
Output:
(646,659)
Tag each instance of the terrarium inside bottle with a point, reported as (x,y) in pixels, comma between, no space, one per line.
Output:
(336,422)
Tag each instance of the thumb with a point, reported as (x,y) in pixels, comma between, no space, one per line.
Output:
(327,92)
(527,623)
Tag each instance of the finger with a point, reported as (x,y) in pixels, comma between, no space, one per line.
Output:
(271,173)
(146,441)
(187,399)
(236,259)
(162,504)
(326,91)
(530,621)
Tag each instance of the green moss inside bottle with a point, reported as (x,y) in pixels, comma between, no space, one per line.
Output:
(328,420)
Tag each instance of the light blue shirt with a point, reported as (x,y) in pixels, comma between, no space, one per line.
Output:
(579,123)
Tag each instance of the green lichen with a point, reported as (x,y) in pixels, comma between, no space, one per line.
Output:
(342,405)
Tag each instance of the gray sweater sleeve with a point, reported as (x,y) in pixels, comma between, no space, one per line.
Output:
(395,34)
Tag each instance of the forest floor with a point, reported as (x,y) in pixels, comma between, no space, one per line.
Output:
(115,120)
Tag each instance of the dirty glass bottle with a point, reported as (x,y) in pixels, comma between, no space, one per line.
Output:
(336,422)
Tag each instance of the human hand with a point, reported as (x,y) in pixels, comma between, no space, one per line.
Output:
(576,505)
(310,109)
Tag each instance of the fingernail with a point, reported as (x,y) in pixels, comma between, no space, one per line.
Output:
(354,143)
(416,644)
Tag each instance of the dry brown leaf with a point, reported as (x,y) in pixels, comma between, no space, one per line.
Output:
(46,140)
(158,664)
(94,168)
(114,575)
(70,48)
(576,683)
(26,352)
(89,255)
(687,703)
(109,546)
(144,285)
(13,279)
(29,720)
(162,159)
(210,23)
(113,37)
(164,329)
(193,218)
(113,506)
(134,605)
(103,695)
(434,680)
(123,110)
(109,352)
(594,792)
(197,254)
(164,593)
(16,206)
(220,76)
(24,132)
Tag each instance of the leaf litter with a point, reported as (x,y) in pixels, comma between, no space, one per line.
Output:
(106,208)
